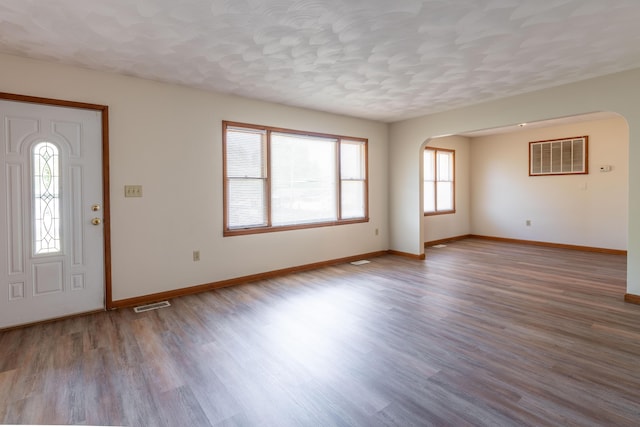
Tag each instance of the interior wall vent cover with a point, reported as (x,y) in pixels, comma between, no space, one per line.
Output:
(559,156)
(154,306)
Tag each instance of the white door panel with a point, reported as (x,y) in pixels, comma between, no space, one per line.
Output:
(51,257)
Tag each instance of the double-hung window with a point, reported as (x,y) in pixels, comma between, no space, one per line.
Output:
(439,181)
(278,179)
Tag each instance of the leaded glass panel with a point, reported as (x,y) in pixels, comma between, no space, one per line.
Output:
(46,199)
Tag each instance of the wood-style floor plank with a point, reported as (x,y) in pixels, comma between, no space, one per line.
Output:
(479,333)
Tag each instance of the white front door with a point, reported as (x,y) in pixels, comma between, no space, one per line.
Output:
(51,233)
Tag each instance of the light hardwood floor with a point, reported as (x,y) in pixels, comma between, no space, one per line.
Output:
(481,333)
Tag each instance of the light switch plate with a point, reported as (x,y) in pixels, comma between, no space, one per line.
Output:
(133,191)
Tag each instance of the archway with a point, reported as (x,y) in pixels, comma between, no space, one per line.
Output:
(586,211)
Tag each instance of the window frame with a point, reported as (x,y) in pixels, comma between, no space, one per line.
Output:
(269,227)
(436,180)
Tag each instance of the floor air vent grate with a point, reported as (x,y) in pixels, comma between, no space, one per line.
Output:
(361,262)
(154,306)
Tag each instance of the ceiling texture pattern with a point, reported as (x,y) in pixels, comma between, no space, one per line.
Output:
(385,60)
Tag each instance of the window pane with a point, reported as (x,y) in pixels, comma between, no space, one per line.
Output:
(429,196)
(429,165)
(246,204)
(303,181)
(445,196)
(353,199)
(353,173)
(445,166)
(245,151)
(46,199)
(352,160)
(245,154)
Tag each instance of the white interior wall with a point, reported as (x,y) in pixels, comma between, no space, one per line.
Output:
(438,227)
(168,139)
(585,210)
(616,93)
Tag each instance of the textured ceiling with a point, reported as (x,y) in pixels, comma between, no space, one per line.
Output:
(379,59)
(558,121)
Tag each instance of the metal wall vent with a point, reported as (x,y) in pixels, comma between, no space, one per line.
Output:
(154,306)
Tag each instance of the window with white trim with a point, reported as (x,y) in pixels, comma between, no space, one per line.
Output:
(279,179)
(439,181)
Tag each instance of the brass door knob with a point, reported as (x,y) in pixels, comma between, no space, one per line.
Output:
(96,221)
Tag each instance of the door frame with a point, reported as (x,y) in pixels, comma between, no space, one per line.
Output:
(106,221)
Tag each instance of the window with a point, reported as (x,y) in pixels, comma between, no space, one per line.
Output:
(439,181)
(559,156)
(46,199)
(277,179)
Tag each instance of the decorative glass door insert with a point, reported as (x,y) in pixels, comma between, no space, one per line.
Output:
(46,199)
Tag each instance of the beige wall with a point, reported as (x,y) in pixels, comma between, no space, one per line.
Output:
(616,93)
(167,138)
(437,227)
(585,210)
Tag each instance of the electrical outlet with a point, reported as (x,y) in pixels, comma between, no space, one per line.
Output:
(528,223)
(196,255)
(133,191)
(377,232)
